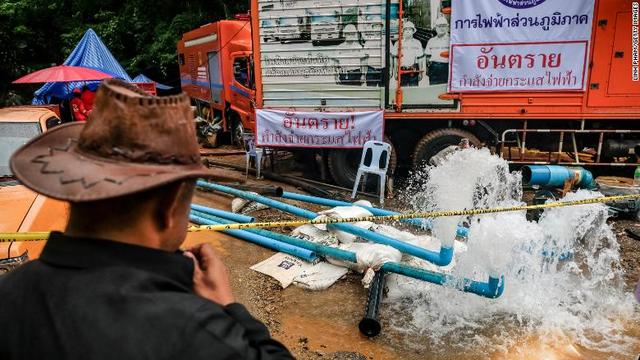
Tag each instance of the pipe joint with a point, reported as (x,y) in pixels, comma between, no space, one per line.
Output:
(492,289)
(444,256)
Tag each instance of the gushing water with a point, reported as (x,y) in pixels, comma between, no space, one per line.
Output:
(563,279)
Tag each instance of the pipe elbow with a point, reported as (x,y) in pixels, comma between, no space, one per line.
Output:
(492,289)
(444,257)
(496,287)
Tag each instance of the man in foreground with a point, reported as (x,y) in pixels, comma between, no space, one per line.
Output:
(114,285)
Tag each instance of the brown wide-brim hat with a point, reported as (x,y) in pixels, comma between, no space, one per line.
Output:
(130,143)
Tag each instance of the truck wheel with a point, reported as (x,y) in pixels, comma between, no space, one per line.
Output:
(438,140)
(237,131)
(343,166)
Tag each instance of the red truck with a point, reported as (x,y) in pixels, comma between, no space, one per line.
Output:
(393,56)
(216,72)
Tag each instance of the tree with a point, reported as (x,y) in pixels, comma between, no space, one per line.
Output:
(141,34)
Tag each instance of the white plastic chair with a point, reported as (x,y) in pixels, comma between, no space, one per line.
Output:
(252,152)
(374,160)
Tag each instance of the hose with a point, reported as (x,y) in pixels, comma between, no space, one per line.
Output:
(370,324)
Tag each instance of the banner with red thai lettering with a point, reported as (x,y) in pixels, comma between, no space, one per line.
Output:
(520,45)
(346,130)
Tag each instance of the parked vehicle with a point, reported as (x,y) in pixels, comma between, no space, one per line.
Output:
(270,32)
(596,126)
(324,25)
(22,209)
(216,71)
(269,24)
(18,125)
(293,26)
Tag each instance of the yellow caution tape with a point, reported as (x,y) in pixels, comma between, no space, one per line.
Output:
(24,236)
(39,236)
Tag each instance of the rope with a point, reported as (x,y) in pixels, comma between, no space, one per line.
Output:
(39,236)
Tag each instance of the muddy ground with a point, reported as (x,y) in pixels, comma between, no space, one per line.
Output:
(324,324)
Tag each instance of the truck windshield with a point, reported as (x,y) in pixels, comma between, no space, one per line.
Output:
(289,21)
(12,136)
(241,71)
(324,19)
(268,23)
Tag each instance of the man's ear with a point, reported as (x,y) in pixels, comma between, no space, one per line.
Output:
(168,203)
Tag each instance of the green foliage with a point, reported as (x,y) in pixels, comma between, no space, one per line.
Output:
(141,34)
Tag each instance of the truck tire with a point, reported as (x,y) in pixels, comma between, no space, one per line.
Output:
(438,140)
(343,166)
(236,131)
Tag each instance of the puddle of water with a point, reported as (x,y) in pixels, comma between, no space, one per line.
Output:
(551,308)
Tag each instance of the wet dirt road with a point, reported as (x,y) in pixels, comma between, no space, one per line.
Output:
(323,324)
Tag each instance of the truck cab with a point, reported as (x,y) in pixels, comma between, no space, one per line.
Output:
(216,72)
(292,27)
(325,25)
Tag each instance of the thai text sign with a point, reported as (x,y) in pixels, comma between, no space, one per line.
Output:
(519,44)
(318,129)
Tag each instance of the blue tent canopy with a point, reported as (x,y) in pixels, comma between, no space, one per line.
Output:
(143,79)
(90,52)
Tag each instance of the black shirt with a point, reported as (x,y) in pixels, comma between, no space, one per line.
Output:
(99,299)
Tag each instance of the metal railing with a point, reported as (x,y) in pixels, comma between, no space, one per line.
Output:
(556,157)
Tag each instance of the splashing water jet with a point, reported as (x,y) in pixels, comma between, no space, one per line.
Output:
(580,302)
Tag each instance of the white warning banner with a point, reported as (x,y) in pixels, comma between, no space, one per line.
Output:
(346,130)
(519,45)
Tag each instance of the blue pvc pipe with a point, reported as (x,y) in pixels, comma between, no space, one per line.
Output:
(331,202)
(492,289)
(225,214)
(441,258)
(305,254)
(556,175)
(422,223)
(322,250)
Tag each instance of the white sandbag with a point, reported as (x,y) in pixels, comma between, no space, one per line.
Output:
(237,204)
(313,234)
(282,267)
(393,233)
(423,241)
(344,212)
(375,255)
(287,270)
(368,255)
(353,247)
(433,244)
(399,286)
(343,263)
(320,276)
(244,206)
(366,203)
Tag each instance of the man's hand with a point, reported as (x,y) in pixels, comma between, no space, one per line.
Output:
(210,276)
